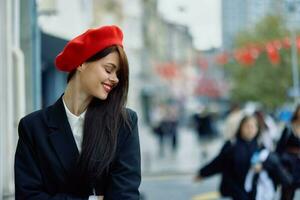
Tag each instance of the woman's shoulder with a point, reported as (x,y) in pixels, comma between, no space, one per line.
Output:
(229,144)
(228,147)
(131,115)
(32,124)
(34,117)
(129,123)
(130,111)
(36,120)
(128,130)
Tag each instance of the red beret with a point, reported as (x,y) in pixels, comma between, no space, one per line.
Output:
(84,46)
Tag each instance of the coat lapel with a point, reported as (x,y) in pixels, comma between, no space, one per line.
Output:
(61,136)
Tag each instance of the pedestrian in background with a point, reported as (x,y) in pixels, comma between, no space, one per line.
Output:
(86,145)
(204,124)
(288,148)
(249,170)
(233,162)
(165,121)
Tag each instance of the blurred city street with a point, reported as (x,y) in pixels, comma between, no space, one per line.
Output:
(151,188)
(187,159)
(163,175)
(171,177)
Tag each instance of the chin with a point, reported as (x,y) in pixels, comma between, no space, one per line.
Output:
(102,96)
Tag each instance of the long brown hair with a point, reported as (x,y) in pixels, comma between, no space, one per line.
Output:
(103,120)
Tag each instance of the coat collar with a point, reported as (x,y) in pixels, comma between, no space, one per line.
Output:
(61,136)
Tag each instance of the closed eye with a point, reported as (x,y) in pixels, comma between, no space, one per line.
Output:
(108,69)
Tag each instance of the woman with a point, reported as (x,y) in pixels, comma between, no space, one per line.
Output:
(86,145)
(233,162)
(288,148)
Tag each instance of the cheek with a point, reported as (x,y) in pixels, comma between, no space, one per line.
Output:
(89,81)
(245,130)
(100,74)
(254,128)
(253,132)
(249,131)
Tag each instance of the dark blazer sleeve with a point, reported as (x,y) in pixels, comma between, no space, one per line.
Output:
(277,171)
(125,175)
(28,178)
(218,163)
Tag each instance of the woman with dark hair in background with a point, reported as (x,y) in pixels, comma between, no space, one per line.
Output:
(86,145)
(288,148)
(240,163)
(233,162)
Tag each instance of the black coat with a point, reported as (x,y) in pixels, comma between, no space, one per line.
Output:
(290,160)
(46,157)
(233,163)
(287,139)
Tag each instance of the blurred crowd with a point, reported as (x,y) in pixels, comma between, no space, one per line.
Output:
(260,158)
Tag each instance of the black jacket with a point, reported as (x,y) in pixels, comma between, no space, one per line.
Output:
(290,160)
(233,163)
(46,156)
(287,139)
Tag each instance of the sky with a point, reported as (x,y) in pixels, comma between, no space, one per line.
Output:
(203,17)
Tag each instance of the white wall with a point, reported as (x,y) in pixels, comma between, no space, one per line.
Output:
(12,98)
(72,18)
(133,42)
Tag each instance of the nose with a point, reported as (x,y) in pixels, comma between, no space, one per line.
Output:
(114,78)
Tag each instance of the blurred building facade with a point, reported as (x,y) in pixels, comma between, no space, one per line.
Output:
(211,82)
(168,55)
(233,20)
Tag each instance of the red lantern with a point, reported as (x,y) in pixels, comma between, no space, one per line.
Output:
(244,56)
(167,70)
(207,87)
(273,53)
(255,50)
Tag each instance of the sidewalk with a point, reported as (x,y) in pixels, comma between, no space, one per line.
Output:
(186,160)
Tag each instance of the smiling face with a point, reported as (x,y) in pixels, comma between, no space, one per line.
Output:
(98,78)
